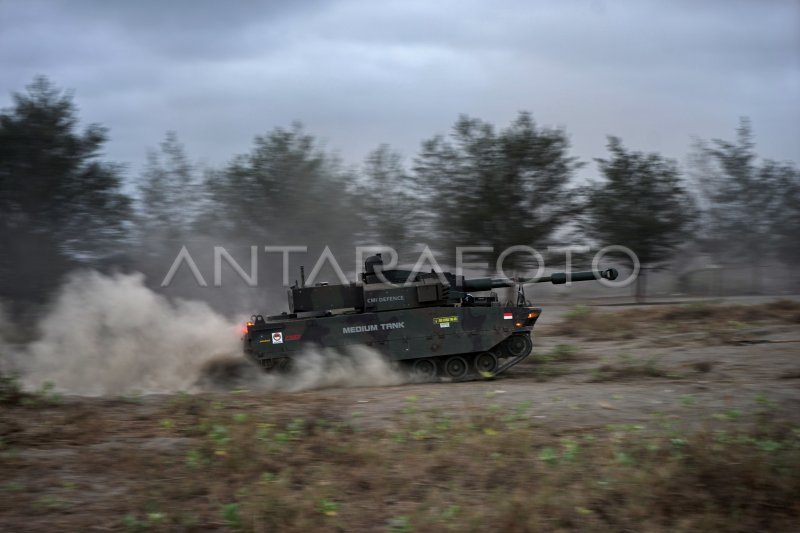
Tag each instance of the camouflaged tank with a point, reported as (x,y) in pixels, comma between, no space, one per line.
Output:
(429,323)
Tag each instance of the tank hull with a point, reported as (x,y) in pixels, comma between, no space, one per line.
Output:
(399,335)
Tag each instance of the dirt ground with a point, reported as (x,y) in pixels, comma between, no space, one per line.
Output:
(61,455)
(737,375)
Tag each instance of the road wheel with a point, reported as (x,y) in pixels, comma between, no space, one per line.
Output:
(485,362)
(425,368)
(518,345)
(456,367)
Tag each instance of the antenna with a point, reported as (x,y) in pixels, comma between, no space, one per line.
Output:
(302,277)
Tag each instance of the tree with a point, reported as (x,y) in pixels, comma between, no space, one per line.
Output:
(61,205)
(286,187)
(498,189)
(641,204)
(169,180)
(286,191)
(171,200)
(386,200)
(786,219)
(744,202)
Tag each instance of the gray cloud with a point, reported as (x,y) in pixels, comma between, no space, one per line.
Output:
(362,73)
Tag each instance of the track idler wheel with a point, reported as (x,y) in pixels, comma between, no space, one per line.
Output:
(518,345)
(456,367)
(485,363)
(424,368)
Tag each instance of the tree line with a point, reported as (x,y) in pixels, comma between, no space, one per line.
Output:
(62,206)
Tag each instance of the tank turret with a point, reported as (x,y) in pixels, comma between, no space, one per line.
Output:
(384,290)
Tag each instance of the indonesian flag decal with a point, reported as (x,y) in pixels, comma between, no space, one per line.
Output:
(508,316)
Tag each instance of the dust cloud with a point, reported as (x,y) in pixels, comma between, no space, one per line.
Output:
(5,333)
(111,335)
(314,368)
(359,367)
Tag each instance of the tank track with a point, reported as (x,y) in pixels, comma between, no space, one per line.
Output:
(456,367)
(506,354)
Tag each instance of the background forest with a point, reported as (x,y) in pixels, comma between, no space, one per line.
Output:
(64,207)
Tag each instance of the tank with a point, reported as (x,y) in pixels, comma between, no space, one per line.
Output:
(433,325)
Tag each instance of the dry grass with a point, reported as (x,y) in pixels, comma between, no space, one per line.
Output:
(197,463)
(11,393)
(714,323)
(10,390)
(629,367)
(549,365)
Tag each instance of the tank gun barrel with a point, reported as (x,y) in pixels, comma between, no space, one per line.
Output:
(556,278)
(560,278)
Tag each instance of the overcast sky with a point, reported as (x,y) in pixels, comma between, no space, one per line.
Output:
(361,73)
